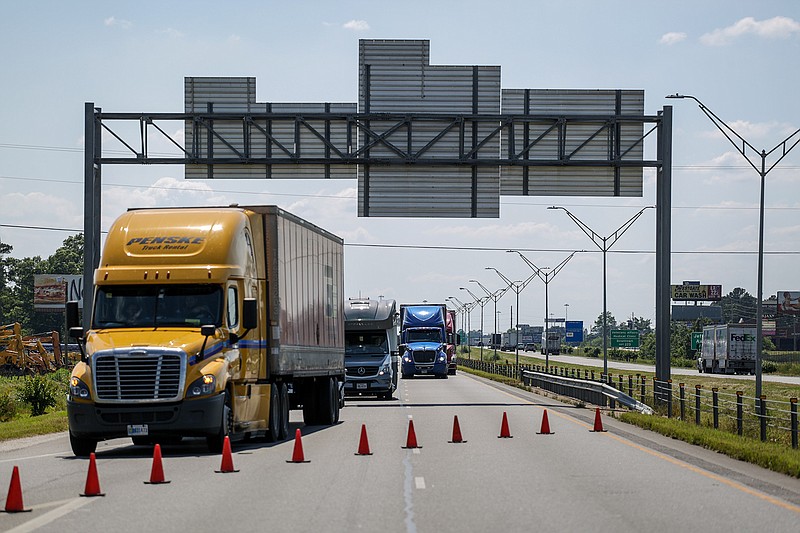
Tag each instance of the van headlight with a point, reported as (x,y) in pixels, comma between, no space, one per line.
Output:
(384,370)
(202,386)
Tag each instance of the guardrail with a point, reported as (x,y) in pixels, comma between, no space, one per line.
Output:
(733,412)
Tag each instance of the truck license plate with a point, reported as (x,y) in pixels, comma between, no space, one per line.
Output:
(361,385)
(138,430)
(423,370)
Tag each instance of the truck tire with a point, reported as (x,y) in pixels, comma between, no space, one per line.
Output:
(283,432)
(82,447)
(215,442)
(274,423)
(328,403)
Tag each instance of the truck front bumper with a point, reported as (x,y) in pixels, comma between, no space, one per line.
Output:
(435,369)
(194,418)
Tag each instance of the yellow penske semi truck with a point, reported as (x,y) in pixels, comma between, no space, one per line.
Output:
(209,322)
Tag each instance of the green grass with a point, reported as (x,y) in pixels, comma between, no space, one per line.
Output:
(771,455)
(25,425)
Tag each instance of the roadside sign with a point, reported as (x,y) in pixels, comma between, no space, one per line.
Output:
(697,340)
(624,338)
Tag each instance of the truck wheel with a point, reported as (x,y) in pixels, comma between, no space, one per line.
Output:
(82,447)
(216,442)
(283,432)
(328,402)
(274,423)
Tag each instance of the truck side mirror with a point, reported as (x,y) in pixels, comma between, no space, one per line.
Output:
(73,316)
(249,313)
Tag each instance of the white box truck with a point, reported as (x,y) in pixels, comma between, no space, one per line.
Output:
(728,349)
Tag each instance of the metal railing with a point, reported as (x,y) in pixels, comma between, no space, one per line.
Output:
(774,420)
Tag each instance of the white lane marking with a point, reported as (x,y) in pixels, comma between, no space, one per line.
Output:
(411,527)
(416,451)
(419,482)
(55,514)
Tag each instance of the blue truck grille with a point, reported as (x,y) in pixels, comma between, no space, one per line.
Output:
(424,356)
(139,377)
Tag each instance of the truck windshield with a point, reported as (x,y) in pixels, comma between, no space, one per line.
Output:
(424,335)
(365,343)
(132,306)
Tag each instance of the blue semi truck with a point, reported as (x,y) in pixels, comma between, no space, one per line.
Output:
(423,340)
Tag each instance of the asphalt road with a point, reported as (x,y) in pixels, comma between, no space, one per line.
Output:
(636,367)
(625,479)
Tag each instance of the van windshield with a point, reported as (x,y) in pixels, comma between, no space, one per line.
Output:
(132,306)
(365,343)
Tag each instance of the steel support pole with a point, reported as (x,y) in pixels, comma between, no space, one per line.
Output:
(663,245)
(91,206)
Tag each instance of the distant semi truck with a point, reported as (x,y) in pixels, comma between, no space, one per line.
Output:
(551,344)
(728,349)
(370,347)
(453,340)
(423,340)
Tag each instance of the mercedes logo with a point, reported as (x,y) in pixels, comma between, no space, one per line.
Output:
(362,371)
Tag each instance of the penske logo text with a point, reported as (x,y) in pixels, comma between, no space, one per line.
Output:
(165,242)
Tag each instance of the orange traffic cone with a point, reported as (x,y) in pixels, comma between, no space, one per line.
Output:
(297,454)
(157,471)
(92,487)
(504,432)
(411,440)
(598,424)
(456,432)
(227,458)
(363,444)
(14,498)
(545,425)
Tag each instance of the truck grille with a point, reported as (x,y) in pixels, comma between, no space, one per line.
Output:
(356,371)
(424,356)
(138,375)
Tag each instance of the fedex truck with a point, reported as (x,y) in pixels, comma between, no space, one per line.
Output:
(728,349)
(209,322)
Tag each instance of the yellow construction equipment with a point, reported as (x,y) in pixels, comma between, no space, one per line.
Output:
(27,355)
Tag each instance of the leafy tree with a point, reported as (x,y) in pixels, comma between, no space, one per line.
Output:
(738,305)
(597,328)
(16,293)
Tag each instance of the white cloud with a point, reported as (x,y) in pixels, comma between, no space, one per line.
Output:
(114,21)
(672,37)
(172,32)
(774,28)
(234,39)
(754,130)
(356,25)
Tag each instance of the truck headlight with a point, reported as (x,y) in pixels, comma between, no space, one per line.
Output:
(406,359)
(78,389)
(442,359)
(202,386)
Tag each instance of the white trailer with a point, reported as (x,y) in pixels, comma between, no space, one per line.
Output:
(728,349)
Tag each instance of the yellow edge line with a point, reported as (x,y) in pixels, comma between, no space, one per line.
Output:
(733,484)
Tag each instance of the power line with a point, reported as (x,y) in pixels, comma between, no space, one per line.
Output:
(336,197)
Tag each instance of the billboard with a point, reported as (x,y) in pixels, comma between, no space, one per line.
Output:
(52,291)
(709,293)
(789,302)
(574,331)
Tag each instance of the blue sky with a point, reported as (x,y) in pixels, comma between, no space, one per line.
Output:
(739,58)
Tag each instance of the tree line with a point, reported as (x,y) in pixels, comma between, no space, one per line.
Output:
(16,284)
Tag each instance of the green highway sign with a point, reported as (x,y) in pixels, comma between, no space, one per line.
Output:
(624,338)
(697,340)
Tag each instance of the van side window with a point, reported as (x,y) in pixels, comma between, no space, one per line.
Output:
(233,307)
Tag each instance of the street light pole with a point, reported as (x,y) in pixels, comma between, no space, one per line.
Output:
(608,242)
(762,170)
(481,302)
(494,296)
(517,287)
(546,278)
